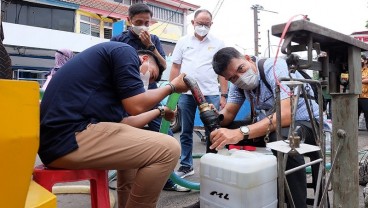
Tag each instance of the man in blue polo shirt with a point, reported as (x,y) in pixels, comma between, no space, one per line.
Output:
(246,83)
(138,36)
(81,120)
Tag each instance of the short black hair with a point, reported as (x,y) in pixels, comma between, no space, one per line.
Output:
(200,11)
(138,9)
(364,57)
(222,59)
(161,68)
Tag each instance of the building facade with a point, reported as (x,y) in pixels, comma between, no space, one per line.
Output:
(34,29)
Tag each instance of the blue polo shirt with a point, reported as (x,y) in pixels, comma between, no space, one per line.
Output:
(87,89)
(133,40)
(265,101)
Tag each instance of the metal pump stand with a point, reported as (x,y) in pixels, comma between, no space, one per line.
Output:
(293,146)
(340,51)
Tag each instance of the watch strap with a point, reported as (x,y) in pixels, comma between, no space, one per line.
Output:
(162,111)
(151,48)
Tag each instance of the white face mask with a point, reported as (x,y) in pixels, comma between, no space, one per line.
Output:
(146,77)
(247,81)
(201,30)
(138,29)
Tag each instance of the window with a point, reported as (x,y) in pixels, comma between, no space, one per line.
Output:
(167,15)
(31,75)
(38,15)
(89,26)
(126,2)
(107,30)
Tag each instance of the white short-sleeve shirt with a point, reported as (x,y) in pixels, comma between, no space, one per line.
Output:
(195,57)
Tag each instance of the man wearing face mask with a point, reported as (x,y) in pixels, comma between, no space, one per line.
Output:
(193,55)
(138,37)
(82,124)
(243,73)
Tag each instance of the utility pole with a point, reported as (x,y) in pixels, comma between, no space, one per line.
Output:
(256,33)
(256,8)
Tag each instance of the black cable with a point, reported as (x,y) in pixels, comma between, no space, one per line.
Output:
(17,18)
(167,20)
(115,8)
(217,10)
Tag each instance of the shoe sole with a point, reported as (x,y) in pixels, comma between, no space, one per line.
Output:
(183,191)
(187,174)
(186,190)
(177,190)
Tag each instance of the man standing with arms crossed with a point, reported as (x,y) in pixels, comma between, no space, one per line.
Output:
(193,55)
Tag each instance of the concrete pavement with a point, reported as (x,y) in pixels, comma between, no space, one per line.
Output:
(170,199)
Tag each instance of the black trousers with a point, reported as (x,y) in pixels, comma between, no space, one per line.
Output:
(363,107)
(297,180)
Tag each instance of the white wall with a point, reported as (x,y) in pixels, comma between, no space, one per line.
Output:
(36,37)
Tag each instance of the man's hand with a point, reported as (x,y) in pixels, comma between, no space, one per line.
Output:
(169,114)
(145,38)
(222,102)
(222,136)
(179,84)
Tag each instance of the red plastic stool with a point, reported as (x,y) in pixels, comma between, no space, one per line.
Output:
(98,182)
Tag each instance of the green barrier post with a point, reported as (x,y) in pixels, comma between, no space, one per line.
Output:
(165,125)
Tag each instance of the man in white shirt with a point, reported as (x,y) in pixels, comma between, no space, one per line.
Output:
(193,55)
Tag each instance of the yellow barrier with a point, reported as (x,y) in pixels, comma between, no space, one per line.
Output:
(39,197)
(19,141)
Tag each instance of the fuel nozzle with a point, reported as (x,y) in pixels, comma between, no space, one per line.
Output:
(210,118)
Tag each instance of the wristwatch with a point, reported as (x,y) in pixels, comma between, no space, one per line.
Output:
(162,111)
(224,95)
(245,131)
(151,48)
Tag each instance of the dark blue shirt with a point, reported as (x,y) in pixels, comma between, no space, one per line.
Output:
(87,89)
(133,40)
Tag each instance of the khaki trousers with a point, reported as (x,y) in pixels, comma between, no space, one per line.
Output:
(144,159)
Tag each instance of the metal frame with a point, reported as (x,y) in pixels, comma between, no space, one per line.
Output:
(341,50)
(298,85)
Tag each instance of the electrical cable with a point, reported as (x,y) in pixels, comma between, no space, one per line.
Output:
(165,21)
(278,49)
(114,9)
(217,9)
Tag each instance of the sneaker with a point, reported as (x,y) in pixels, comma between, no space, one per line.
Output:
(184,171)
(177,188)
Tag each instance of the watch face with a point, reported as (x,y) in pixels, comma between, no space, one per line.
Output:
(151,47)
(244,130)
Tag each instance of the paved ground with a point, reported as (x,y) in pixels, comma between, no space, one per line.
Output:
(176,199)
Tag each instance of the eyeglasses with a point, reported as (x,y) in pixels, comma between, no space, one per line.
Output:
(208,25)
